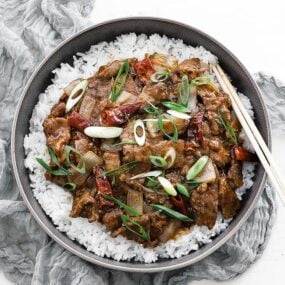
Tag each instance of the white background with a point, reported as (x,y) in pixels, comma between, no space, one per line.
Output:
(254,31)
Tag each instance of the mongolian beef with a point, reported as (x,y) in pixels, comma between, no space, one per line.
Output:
(148,148)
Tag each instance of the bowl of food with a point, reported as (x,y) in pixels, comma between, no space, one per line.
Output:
(128,153)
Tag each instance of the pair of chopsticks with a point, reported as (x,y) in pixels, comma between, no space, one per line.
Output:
(252,133)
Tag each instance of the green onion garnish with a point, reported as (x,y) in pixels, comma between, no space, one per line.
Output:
(151,109)
(159,76)
(224,122)
(171,213)
(142,233)
(117,171)
(184,90)
(203,80)
(122,205)
(69,187)
(158,161)
(197,167)
(152,183)
(56,172)
(123,143)
(182,189)
(69,149)
(119,81)
(61,171)
(174,136)
(176,107)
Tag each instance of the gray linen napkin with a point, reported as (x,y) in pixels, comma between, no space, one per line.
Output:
(29,30)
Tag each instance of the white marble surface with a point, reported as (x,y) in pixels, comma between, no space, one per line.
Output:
(254,31)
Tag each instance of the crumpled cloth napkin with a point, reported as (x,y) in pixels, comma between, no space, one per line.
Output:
(29,30)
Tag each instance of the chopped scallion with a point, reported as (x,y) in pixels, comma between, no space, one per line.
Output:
(142,233)
(159,76)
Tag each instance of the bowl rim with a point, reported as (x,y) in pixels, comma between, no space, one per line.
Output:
(110,263)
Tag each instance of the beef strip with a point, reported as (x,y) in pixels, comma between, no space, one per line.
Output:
(228,201)
(57,131)
(204,202)
(112,220)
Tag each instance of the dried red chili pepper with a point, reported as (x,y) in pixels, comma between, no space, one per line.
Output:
(119,115)
(78,122)
(242,154)
(103,187)
(179,203)
(144,70)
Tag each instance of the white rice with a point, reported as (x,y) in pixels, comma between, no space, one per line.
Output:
(57,203)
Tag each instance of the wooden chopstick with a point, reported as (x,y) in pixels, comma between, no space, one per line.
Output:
(252,133)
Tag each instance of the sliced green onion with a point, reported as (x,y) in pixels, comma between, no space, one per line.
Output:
(167,186)
(176,107)
(53,156)
(154,173)
(69,187)
(227,126)
(142,233)
(160,120)
(171,213)
(76,94)
(197,167)
(170,157)
(184,90)
(203,80)
(122,205)
(159,76)
(193,184)
(122,169)
(67,151)
(178,115)
(123,143)
(182,189)
(119,81)
(103,132)
(140,139)
(152,182)
(61,171)
(151,109)
(158,161)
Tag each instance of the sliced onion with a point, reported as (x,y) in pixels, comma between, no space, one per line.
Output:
(192,102)
(170,157)
(139,139)
(126,97)
(178,114)
(167,186)
(154,173)
(91,159)
(76,94)
(208,174)
(68,89)
(103,132)
(135,200)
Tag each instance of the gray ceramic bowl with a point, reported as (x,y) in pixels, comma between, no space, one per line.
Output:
(108,31)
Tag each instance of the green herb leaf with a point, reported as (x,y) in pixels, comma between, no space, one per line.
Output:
(197,167)
(227,126)
(152,183)
(176,107)
(123,143)
(159,76)
(158,161)
(184,91)
(171,213)
(203,80)
(142,233)
(119,81)
(174,136)
(69,186)
(68,149)
(122,205)
(56,172)
(182,189)
(151,109)
(123,168)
